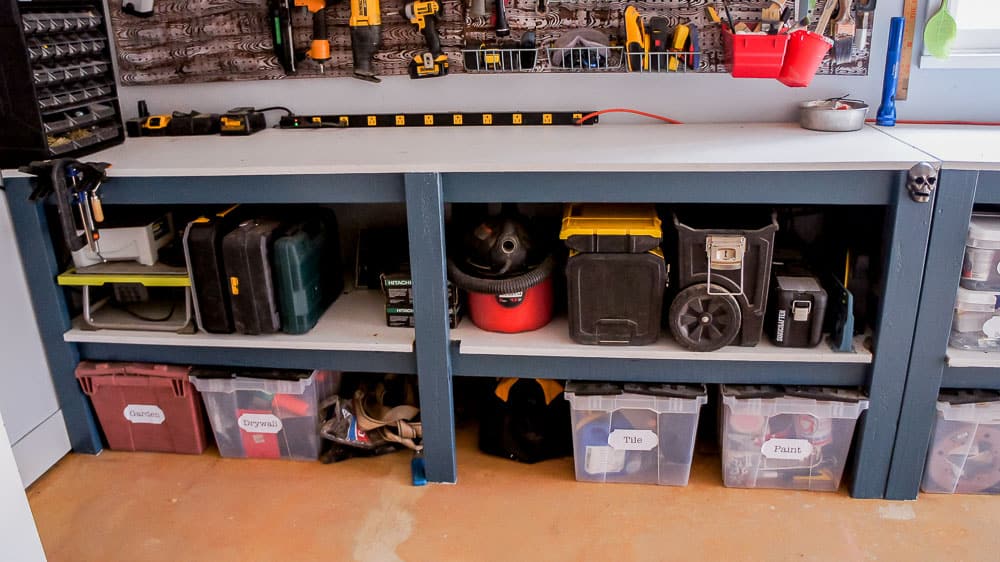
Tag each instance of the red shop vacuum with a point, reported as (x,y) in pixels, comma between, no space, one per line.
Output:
(506,273)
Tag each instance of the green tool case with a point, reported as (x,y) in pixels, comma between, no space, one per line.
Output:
(308,272)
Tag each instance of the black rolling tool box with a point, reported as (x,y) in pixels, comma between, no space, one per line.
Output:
(308,271)
(724,269)
(246,252)
(57,84)
(615,274)
(209,284)
(798,307)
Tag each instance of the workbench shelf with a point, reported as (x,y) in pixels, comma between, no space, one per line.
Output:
(969,175)
(767,164)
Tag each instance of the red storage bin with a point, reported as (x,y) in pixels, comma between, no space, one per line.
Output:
(145,407)
(754,56)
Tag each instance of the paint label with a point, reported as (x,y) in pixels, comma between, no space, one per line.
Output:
(992,327)
(978,264)
(259,423)
(144,413)
(633,440)
(603,459)
(786,449)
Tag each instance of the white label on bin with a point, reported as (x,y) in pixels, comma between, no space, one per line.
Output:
(602,460)
(992,327)
(633,440)
(259,423)
(144,413)
(786,449)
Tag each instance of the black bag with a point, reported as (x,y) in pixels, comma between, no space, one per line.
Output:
(526,420)
(247,255)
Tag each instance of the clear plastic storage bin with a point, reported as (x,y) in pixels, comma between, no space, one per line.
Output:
(964,456)
(787,436)
(267,414)
(981,268)
(636,433)
(977,321)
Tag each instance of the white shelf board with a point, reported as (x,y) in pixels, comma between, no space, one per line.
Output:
(553,341)
(738,147)
(971,358)
(355,322)
(958,147)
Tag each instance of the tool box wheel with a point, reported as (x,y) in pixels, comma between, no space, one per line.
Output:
(701,321)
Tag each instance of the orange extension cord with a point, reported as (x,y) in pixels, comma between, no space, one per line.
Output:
(922,122)
(589,116)
(584,119)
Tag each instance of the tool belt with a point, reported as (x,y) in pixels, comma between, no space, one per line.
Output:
(365,424)
(381,422)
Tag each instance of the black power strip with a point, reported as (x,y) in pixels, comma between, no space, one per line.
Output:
(465,119)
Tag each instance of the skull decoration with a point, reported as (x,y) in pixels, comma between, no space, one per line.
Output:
(921,181)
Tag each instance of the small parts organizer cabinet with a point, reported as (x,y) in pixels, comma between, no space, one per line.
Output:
(549,166)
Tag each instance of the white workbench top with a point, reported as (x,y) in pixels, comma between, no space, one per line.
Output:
(600,148)
(958,147)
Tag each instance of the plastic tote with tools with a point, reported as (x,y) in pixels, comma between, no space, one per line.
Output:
(266,414)
(976,325)
(981,268)
(964,456)
(634,433)
(144,407)
(793,437)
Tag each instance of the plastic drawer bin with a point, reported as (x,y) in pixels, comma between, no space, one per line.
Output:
(266,415)
(787,437)
(144,407)
(634,433)
(981,268)
(754,56)
(977,321)
(964,456)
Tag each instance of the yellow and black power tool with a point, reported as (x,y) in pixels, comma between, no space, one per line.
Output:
(366,37)
(423,14)
(319,49)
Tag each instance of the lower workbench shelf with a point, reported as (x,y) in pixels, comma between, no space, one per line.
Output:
(351,335)
(550,352)
(971,369)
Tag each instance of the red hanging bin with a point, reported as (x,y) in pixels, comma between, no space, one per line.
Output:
(754,56)
(145,407)
(803,56)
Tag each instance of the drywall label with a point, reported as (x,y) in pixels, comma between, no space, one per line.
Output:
(786,449)
(259,423)
(144,413)
(633,440)
(603,459)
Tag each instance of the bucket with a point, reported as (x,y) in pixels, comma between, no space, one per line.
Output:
(520,311)
(803,56)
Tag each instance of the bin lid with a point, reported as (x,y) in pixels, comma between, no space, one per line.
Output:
(267,374)
(822,393)
(956,396)
(91,369)
(986,298)
(610,220)
(588,388)
(984,226)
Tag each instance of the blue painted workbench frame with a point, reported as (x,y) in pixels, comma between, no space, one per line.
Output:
(929,371)
(436,358)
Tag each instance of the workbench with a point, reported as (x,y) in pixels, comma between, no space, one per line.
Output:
(970,175)
(425,169)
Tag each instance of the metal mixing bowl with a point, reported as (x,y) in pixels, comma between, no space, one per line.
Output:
(836,115)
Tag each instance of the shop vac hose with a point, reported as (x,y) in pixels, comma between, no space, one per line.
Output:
(521,282)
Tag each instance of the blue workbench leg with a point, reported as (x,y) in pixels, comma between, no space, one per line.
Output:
(51,314)
(955,197)
(425,223)
(906,233)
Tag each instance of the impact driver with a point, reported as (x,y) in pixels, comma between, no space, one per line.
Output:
(433,63)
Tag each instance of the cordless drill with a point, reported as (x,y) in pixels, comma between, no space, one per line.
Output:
(366,37)
(423,14)
(319,49)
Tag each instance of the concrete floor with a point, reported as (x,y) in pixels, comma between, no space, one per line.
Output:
(139,506)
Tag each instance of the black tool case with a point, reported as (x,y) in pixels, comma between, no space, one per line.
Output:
(57,84)
(615,298)
(308,271)
(209,284)
(798,307)
(246,252)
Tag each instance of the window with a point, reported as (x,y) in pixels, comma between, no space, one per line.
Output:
(977,44)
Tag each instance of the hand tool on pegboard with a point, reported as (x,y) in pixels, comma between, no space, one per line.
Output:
(423,14)
(280,14)
(319,48)
(366,37)
(865,9)
(843,33)
(72,183)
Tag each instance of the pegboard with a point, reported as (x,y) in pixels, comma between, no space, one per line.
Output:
(211,40)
